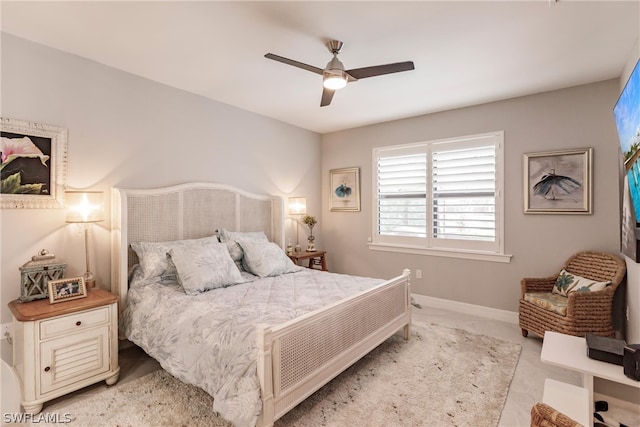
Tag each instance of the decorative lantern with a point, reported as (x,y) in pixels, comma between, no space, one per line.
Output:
(35,275)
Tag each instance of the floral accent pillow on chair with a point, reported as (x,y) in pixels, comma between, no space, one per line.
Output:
(568,282)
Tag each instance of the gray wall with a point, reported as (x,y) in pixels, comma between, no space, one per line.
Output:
(126,131)
(572,118)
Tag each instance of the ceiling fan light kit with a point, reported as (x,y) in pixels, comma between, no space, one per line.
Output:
(335,77)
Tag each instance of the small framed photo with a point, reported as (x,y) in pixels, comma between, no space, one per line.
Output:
(66,289)
(345,189)
(558,182)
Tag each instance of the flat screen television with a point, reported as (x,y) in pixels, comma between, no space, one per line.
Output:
(627,117)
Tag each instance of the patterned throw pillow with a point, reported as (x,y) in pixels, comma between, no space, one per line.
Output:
(154,263)
(568,282)
(266,259)
(231,238)
(204,267)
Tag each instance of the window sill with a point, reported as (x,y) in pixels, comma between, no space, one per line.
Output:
(447,253)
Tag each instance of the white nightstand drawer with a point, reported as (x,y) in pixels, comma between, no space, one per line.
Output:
(73,322)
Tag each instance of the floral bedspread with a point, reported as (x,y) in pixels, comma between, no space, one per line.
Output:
(209,339)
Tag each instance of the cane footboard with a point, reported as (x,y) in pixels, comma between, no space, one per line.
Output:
(299,357)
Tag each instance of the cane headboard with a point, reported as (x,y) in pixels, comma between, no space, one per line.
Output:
(186,211)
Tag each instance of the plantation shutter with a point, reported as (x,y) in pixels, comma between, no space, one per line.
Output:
(464,191)
(402,194)
(443,195)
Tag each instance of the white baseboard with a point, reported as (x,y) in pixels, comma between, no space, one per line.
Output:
(462,307)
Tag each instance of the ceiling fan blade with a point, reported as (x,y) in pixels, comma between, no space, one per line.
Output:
(327,96)
(378,70)
(350,78)
(294,63)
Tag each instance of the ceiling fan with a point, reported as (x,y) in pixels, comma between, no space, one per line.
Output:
(334,76)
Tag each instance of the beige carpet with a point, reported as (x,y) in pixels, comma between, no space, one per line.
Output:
(440,377)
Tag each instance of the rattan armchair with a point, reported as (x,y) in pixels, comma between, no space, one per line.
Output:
(586,311)
(543,415)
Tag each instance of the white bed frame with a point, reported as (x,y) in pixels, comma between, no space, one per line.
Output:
(295,358)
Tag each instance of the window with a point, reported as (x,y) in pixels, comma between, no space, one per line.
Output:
(443,195)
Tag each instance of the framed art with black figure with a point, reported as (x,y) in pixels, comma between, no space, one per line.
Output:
(558,182)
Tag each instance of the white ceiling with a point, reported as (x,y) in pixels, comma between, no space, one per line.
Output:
(465,53)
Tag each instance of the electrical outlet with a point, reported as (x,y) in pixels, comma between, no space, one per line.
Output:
(6,331)
(418,274)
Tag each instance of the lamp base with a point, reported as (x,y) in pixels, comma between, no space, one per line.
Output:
(90,284)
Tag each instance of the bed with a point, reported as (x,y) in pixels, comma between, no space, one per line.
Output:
(292,356)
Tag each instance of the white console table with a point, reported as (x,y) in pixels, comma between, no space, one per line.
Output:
(570,352)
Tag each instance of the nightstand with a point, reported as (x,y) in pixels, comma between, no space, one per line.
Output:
(59,348)
(316,259)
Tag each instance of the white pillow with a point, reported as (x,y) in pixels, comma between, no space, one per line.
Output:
(204,267)
(154,263)
(266,259)
(569,282)
(231,237)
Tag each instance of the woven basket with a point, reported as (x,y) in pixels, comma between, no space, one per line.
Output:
(543,415)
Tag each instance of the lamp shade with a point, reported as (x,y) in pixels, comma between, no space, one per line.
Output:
(84,206)
(297,205)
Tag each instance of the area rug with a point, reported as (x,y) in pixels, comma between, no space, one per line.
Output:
(440,377)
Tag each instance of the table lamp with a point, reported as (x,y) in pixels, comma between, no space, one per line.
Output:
(297,208)
(85,207)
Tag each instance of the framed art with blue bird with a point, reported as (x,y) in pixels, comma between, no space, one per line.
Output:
(345,189)
(558,182)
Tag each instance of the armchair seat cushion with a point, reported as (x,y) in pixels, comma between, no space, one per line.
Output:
(548,301)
